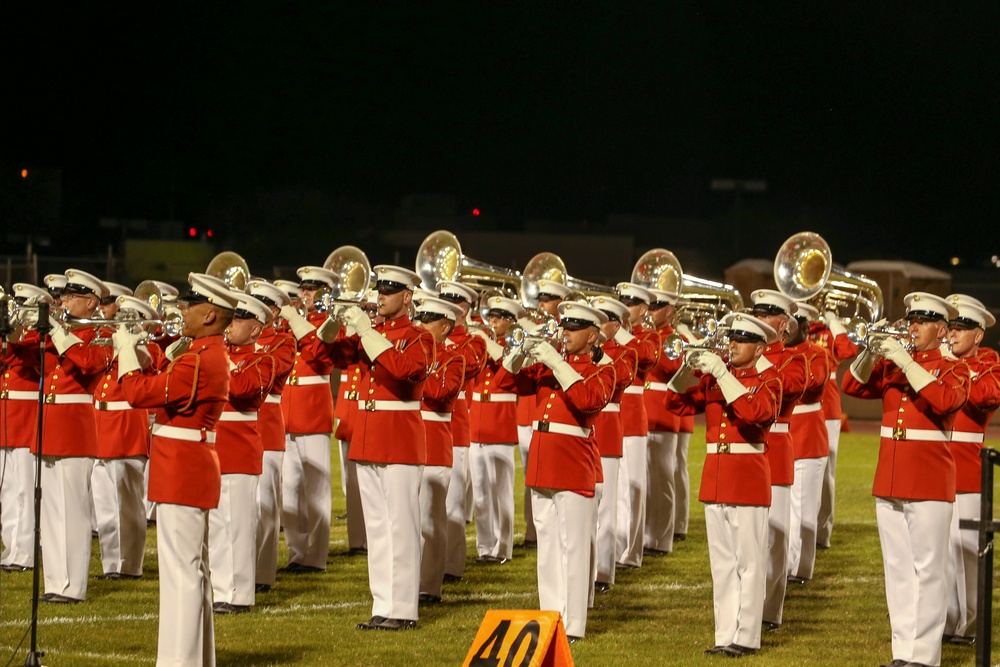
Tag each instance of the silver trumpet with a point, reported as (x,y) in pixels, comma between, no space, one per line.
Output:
(897,331)
(675,347)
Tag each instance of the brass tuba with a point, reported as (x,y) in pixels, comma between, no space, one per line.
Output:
(549,266)
(352,276)
(440,258)
(804,271)
(231,269)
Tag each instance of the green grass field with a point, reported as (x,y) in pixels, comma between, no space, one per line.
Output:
(658,615)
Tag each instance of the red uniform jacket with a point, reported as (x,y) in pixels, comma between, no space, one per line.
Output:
(440,399)
(19,395)
(307,402)
(238,441)
(839,349)
(661,418)
(492,409)
(791,368)
(972,420)
(635,420)
(280,346)
(122,431)
(557,460)
(608,431)
(473,350)
(810,438)
(910,468)
(735,478)
(347,402)
(190,395)
(397,375)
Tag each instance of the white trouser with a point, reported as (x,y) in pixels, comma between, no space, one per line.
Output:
(661,461)
(607,521)
(232,540)
(806,491)
(468,501)
(631,500)
(592,577)
(737,551)
(268,517)
(186,635)
(778,518)
(492,470)
(563,522)
(914,539)
(963,568)
(150,505)
(120,513)
(523,445)
(682,486)
(17,506)
(65,523)
(454,562)
(433,527)
(352,496)
(306,498)
(391,496)
(344,449)
(825,519)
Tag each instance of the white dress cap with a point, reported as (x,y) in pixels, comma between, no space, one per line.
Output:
(395,278)
(554,288)
(371,296)
(508,306)
(439,306)
(663,296)
(316,274)
(807,310)
(269,291)
(972,309)
(26,291)
(633,291)
(610,305)
(82,282)
(128,302)
(209,289)
(749,325)
(289,287)
(420,293)
(928,305)
(117,289)
(166,289)
(458,289)
(773,302)
(572,310)
(55,281)
(250,307)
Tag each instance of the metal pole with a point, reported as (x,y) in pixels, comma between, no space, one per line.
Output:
(984,605)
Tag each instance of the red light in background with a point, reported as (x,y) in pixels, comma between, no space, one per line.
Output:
(210,233)
(192,232)
(24,173)
(475,212)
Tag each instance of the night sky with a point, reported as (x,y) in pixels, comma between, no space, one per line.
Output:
(873,123)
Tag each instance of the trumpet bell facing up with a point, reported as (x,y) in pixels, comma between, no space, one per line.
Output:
(231,269)
(802,266)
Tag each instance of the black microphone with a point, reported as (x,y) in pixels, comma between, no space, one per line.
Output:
(42,326)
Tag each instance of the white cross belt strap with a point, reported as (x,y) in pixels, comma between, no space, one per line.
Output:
(735,447)
(233,416)
(494,398)
(343,377)
(656,386)
(112,406)
(301,381)
(182,433)
(429,416)
(461,395)
(808,407)
(388,406)
(612,407)
(16,395)
(779,427)
(273,398)
(562,429)
(833,376)
(635,389)
(903,433)
(67,399)
(966,436)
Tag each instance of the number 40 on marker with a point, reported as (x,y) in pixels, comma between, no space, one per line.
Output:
(529,638)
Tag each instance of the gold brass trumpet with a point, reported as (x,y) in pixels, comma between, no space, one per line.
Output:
(675,347)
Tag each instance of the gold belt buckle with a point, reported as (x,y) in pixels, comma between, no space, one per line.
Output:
(3,395)
(484,397)
(370,406)
(899,433)
(50,399)
(352,396)
(646,384)
(294,381)
(102,405)
(723,448)
(543,427)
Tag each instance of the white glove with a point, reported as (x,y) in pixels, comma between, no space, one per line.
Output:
(682,380)
(528,325)
(514,360)
(299,325)
(62,339)
(565,374)
(916,375)
(685,331)
(145,358)
(833,323)
(623,337)
(494,349)
(374,343)
(178,347)
(861,367)
(709,363)
(731,387)
(128,358)
(545,353)
(357,319)
(122,338)
(328,331)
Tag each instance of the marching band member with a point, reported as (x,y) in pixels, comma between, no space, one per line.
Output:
(19,431)
(774,309)
(965,333)
(388,442)
(811,444)
(493,416)
(632,473)
(232,526)
(441,390)
(561,464)
(55,282)
(69,442)
(663,453)
(109,304)
(608,435)
(280,346)
(307,405)
(184,478)
(118,478)
(914,487)
(740,402)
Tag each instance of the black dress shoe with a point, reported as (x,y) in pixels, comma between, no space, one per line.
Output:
(14,567)
(715,650)
(737,651)
(427,598)
(226,608)
(625,566)
(395,624)
(55,598)
(529,544)
(370,625)
(649,551)
(262,588)
(896,663)
(357,551)
(770,626)
(298,568)
(601,587)
(492,560)
(572,639)
(959,640)
(451,578)
(680,537)
(797,580)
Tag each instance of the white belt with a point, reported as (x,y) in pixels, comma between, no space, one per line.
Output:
(612,407)
(967,436)
(635,389)
(273,398)
(808,407)
(429,416)
(183,433)
(343,377)
(562,429)
(18,395)
(302,380)
(903,433)
(461,395)
(656,386)
(735,448)
(65,399)
(781,427)
(833,375)
(112,406)
(233,416)
(390,406)
(494,398)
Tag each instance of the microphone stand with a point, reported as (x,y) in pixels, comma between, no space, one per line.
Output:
(34,658)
